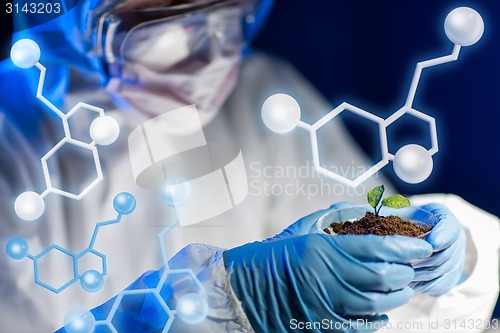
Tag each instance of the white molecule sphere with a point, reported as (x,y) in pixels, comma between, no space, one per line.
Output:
(25,53)
(179,189)
(413,164)
(29,206)
(192,308)
(281,113)
(79,320)
(464,26)
(104,130)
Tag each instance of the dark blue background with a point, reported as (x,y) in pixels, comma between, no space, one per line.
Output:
(32,13)
(365,52)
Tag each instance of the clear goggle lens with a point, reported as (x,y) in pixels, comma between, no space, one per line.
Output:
(162,42)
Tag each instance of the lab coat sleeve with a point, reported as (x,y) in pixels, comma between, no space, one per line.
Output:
(468,307)
(225,312)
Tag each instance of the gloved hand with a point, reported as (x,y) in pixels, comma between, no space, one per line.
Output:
(435,275)
(308,276)
(439,273)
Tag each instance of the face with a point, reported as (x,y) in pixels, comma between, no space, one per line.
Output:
(165,63)
(164,37)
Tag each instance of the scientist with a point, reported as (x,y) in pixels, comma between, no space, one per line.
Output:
(168,54)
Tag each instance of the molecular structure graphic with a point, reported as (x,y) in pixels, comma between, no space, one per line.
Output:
(412,163)
(104,130)
(191,308)
(91,280)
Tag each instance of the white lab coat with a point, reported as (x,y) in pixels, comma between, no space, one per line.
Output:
(131,247)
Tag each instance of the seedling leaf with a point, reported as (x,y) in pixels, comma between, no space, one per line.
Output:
(396,201)
(375,195)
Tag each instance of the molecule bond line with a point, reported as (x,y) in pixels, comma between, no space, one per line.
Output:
(197,299)
(39,95)
(429,63)
(91,280)
(412,163)
(383,124)
(67,139)
(161,241)
(104,130)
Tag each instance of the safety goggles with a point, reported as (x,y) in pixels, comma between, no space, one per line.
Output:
(193,30)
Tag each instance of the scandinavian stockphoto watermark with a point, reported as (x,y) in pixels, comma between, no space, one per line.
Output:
(346,325)
(303,180)
(436,324)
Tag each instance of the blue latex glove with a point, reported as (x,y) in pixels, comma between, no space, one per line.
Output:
(441,272)
(435,275)
(308,276)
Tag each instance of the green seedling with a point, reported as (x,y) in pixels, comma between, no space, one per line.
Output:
(394,201)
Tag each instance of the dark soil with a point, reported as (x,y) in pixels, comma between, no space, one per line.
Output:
(378,225)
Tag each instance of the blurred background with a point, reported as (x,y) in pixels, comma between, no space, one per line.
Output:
(365,52)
